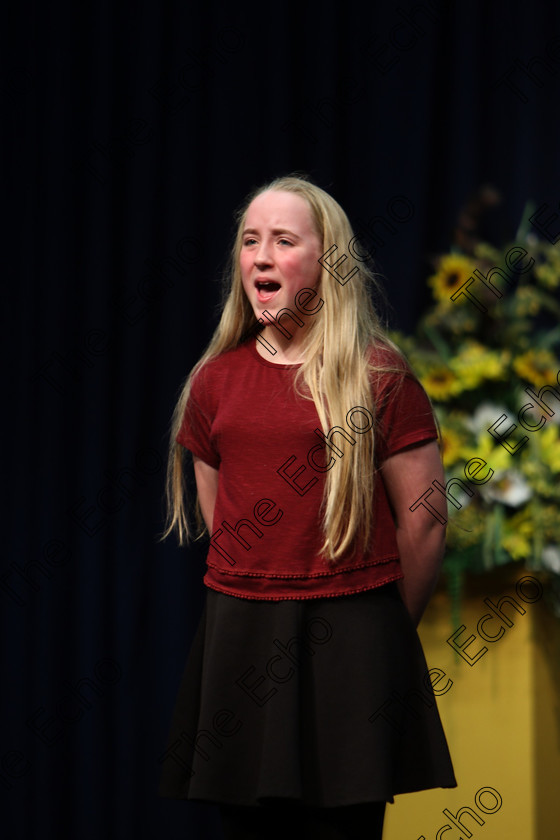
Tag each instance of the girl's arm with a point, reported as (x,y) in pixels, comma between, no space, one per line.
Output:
(207,488)
(420,537)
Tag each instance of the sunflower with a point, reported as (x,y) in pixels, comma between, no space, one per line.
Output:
(538,367)
(440,383)
(476,363)
(453,271)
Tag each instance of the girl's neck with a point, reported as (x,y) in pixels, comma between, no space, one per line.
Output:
(289,351)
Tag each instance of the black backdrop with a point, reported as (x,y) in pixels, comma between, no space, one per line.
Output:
(130,133)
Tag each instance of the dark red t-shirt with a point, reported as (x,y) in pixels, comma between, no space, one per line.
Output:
(244,419)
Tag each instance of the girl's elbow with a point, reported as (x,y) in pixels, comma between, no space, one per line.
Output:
(429,530)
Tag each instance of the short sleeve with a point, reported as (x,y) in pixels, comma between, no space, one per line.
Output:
(195,433)
(405,417)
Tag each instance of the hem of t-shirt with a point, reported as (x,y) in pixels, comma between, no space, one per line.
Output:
(287,594)
(418,436)
(197,450)
(336,572)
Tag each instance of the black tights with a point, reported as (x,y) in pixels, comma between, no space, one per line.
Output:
(287,818)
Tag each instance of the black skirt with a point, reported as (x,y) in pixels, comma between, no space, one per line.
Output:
(323,701)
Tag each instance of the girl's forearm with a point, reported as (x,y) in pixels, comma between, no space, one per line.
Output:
(421,555)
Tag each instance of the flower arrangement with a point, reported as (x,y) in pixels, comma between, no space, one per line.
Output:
(476,350)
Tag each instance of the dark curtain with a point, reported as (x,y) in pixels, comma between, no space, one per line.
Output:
(130,133)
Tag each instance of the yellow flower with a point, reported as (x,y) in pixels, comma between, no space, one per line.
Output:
(517,535)
(548,275)
(486,448)
(475,363)
(452,445)
(527,302)
(517,546)
(538,463)
(453,271)
(486,252)
(539,367)
(440,383)
(549,443)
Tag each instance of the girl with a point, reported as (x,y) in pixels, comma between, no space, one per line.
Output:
(306,700)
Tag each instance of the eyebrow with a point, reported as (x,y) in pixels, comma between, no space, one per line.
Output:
(275,232)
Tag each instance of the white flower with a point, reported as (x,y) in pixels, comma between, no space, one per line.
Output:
(555,407)
(507,487)
(551,558)
(533,416)
(484,416)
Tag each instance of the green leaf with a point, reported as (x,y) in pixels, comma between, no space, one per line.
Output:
(499,554)
(438,342)
(525,225)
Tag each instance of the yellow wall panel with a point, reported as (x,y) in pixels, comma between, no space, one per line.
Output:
(501,717)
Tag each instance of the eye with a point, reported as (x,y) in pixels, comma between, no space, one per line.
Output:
(285,241)
(249,241)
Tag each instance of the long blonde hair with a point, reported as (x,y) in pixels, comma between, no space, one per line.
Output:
(336,374)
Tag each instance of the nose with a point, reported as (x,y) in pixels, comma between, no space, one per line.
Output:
(263,256)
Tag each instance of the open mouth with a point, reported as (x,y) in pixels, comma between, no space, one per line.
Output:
(266,289)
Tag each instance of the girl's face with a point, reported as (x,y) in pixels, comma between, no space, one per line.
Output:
(279,252)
